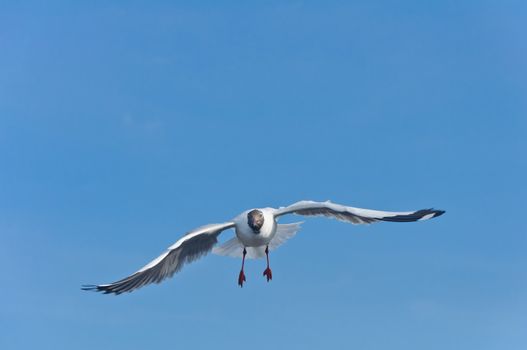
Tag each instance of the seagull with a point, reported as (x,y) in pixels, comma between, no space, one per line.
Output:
(257,233)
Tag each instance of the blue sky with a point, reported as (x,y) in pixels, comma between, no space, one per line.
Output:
(123,126)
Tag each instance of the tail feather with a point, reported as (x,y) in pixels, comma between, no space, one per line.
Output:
(283,233)
(234,248)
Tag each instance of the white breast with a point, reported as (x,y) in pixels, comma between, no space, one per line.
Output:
(246,235)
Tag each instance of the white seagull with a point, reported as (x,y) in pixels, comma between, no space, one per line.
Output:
(257,233)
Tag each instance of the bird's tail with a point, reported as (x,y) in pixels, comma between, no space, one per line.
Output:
(234,248)
(283,233)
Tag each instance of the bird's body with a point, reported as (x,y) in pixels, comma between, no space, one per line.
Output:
(257,233)
(246,235)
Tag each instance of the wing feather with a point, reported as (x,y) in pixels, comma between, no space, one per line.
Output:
(355,215)
(187,249)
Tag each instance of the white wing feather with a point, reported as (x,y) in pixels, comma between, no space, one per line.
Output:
(355,215)
(188,248)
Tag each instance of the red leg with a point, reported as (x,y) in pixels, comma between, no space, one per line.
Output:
(268,273)
(241,277)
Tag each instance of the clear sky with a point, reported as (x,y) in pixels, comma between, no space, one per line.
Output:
(124,126)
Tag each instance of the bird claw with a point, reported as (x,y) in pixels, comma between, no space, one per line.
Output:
(241,278)
(268,273)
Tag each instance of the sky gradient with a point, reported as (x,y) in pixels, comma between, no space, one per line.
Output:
(124,126)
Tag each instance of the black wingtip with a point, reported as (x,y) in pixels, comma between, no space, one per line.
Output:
(438,213)
(104,289)
(423,214)
(90,288)
(426,214)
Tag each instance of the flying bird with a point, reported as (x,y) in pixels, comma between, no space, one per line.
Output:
(257,233)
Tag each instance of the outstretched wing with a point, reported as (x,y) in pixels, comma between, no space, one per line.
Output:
(355,215)
(188,248)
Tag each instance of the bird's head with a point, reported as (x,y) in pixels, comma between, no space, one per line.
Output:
(255,220)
